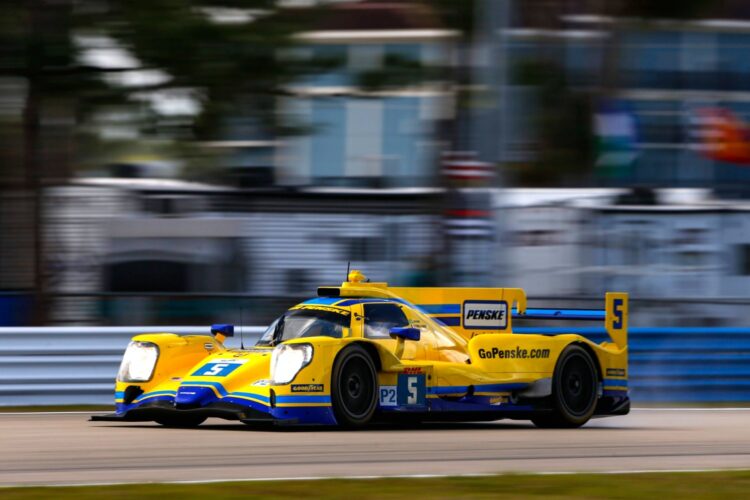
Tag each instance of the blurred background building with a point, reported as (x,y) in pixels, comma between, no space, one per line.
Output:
(171,162)
(664,91)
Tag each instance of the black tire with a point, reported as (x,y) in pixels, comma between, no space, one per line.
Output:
(354,387)
(574,390)
(182,422)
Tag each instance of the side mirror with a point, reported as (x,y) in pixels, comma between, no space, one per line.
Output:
(222,329)
(406,333)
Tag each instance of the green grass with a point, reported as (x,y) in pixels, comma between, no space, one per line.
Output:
(684,485)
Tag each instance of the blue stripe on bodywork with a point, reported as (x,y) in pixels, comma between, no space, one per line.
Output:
(441,308)
(500,387)
(123,408)
(121,394)
(322,301)
(280,399)
(561,330)
(352,302)
(319,415)
(430,309)
(284,399)
(303,399)
(613,382)
(219,388)
(259,397)
(249,403)
(458,389)
(448,320)
(481,405)
(153,393)
(580,314)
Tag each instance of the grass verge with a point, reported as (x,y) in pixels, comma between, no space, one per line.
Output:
(682,485)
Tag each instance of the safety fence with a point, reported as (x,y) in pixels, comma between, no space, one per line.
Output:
(71,365)
(690,364)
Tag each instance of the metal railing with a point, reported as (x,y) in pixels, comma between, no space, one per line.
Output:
(688,364)
(77,365)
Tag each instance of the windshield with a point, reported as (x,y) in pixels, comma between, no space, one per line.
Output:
(304,322)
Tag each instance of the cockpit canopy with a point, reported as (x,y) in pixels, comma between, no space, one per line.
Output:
(306,322)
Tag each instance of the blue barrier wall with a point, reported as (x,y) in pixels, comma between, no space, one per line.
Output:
(77,365)
(680,364)
(15,308)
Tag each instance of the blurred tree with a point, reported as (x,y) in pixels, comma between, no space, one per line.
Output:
(38,64)
(459,15)
(225,58)
(398,71)
(234,55)
(563,120)
(222,52)
(454,70)
(563,124)
(636,15)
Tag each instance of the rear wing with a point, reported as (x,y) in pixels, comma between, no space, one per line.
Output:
(614,315)
(475,311)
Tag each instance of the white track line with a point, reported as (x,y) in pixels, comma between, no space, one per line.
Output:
(690,408)
(370,477)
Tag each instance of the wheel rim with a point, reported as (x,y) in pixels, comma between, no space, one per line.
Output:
(358,388)
(577,384)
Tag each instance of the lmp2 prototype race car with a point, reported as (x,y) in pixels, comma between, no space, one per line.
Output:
(364,352)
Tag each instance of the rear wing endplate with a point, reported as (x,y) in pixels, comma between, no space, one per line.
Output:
(615,316)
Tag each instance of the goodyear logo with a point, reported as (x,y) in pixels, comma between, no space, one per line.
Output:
(485,315)
(615,372)
(307,387)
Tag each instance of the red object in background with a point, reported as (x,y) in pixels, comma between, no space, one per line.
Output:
(723,136)
(468,211)
(462,166)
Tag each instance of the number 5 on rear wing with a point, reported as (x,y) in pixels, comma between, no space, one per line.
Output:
(615,316)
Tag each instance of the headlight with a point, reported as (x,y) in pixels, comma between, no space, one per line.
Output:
(138,362)
(287,360)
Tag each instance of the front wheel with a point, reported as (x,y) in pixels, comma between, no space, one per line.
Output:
(574,390)
(354,385)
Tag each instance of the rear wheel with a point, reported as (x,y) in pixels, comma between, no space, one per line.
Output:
(354,387)
(574,388)
(183,422)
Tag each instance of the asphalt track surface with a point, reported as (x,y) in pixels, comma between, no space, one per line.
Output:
(68,449)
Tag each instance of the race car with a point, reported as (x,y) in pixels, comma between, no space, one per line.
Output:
(364,352)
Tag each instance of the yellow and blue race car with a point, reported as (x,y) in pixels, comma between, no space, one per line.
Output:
(364,352)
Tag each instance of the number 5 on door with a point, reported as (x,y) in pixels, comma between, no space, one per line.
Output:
(411,390)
